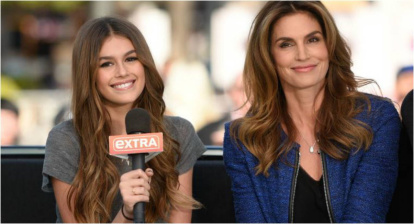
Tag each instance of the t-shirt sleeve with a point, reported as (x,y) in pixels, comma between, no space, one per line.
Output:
(190,145)
(61,158)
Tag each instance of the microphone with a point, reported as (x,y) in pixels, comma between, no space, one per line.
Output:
(137,121)
(138,143)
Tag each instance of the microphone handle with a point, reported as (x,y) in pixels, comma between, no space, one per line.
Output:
(138,162)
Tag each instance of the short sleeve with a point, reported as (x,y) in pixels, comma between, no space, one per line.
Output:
(190,144)
(61,156)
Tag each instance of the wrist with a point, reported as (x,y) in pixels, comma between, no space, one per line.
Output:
(126,217)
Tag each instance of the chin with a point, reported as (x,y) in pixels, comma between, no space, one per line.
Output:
(119,103)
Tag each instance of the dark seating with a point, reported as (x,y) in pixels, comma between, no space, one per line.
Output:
(211,187)
(22,200)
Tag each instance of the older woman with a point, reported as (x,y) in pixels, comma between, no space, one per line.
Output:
(311,148)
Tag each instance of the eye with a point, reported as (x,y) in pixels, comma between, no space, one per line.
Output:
(285,45)
(313,40)
(130,59)
(106,64)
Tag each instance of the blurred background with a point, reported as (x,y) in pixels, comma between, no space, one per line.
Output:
(199,49)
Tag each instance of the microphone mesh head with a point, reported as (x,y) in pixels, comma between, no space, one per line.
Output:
(138,120)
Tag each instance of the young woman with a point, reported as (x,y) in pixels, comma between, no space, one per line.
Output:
(113,72)
(311,148)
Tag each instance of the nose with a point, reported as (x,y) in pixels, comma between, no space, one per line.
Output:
(302,52)
(121,70)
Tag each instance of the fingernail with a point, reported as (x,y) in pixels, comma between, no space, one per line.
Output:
(150,170)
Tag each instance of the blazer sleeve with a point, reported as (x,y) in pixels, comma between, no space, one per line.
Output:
(246,204)
(374,182)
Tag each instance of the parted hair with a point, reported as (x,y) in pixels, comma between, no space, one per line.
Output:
(336,127)
(97,180)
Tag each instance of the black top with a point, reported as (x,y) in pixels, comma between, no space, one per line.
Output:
(401,208)
(309,204)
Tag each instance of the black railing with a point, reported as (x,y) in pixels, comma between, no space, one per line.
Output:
(22,200)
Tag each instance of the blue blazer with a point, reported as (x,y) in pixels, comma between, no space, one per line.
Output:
(358,189)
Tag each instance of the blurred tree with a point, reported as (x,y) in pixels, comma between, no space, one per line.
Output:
(9,88)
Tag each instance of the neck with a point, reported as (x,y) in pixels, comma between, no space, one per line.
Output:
(303,106)
(118,114)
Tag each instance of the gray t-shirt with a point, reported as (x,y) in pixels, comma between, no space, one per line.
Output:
(63,151)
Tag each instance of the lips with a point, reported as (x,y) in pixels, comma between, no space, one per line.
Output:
(305,68)
(123,85)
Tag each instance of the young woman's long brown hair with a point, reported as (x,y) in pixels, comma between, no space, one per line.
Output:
(336,128)
(97,180)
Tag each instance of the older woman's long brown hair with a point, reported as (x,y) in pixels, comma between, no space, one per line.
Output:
(97,180)
(338,131)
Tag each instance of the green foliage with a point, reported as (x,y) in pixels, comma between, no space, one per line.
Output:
(56,6)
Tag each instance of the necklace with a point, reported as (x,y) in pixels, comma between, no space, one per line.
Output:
(311,147)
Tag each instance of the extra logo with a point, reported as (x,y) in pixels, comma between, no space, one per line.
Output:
(137,143)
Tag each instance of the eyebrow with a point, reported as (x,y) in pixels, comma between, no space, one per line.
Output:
(110,57)
(307,36)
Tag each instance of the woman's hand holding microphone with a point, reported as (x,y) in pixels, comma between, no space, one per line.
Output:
(135,187)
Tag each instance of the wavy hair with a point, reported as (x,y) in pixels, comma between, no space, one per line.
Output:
(336,128)
(97,180)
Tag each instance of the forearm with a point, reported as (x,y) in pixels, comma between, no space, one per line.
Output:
(180,216)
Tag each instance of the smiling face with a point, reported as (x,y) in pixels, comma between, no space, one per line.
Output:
(121,77)
(299,52)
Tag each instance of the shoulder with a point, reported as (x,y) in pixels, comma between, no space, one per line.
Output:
(63,136)
(181,130)
(379,102)
(379,106)
(191,147)
(382,114)
(227,128)
(180,124)
(66,129)
(227,125)
(227,134)
(230,131)
(61,154)
(231,145)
